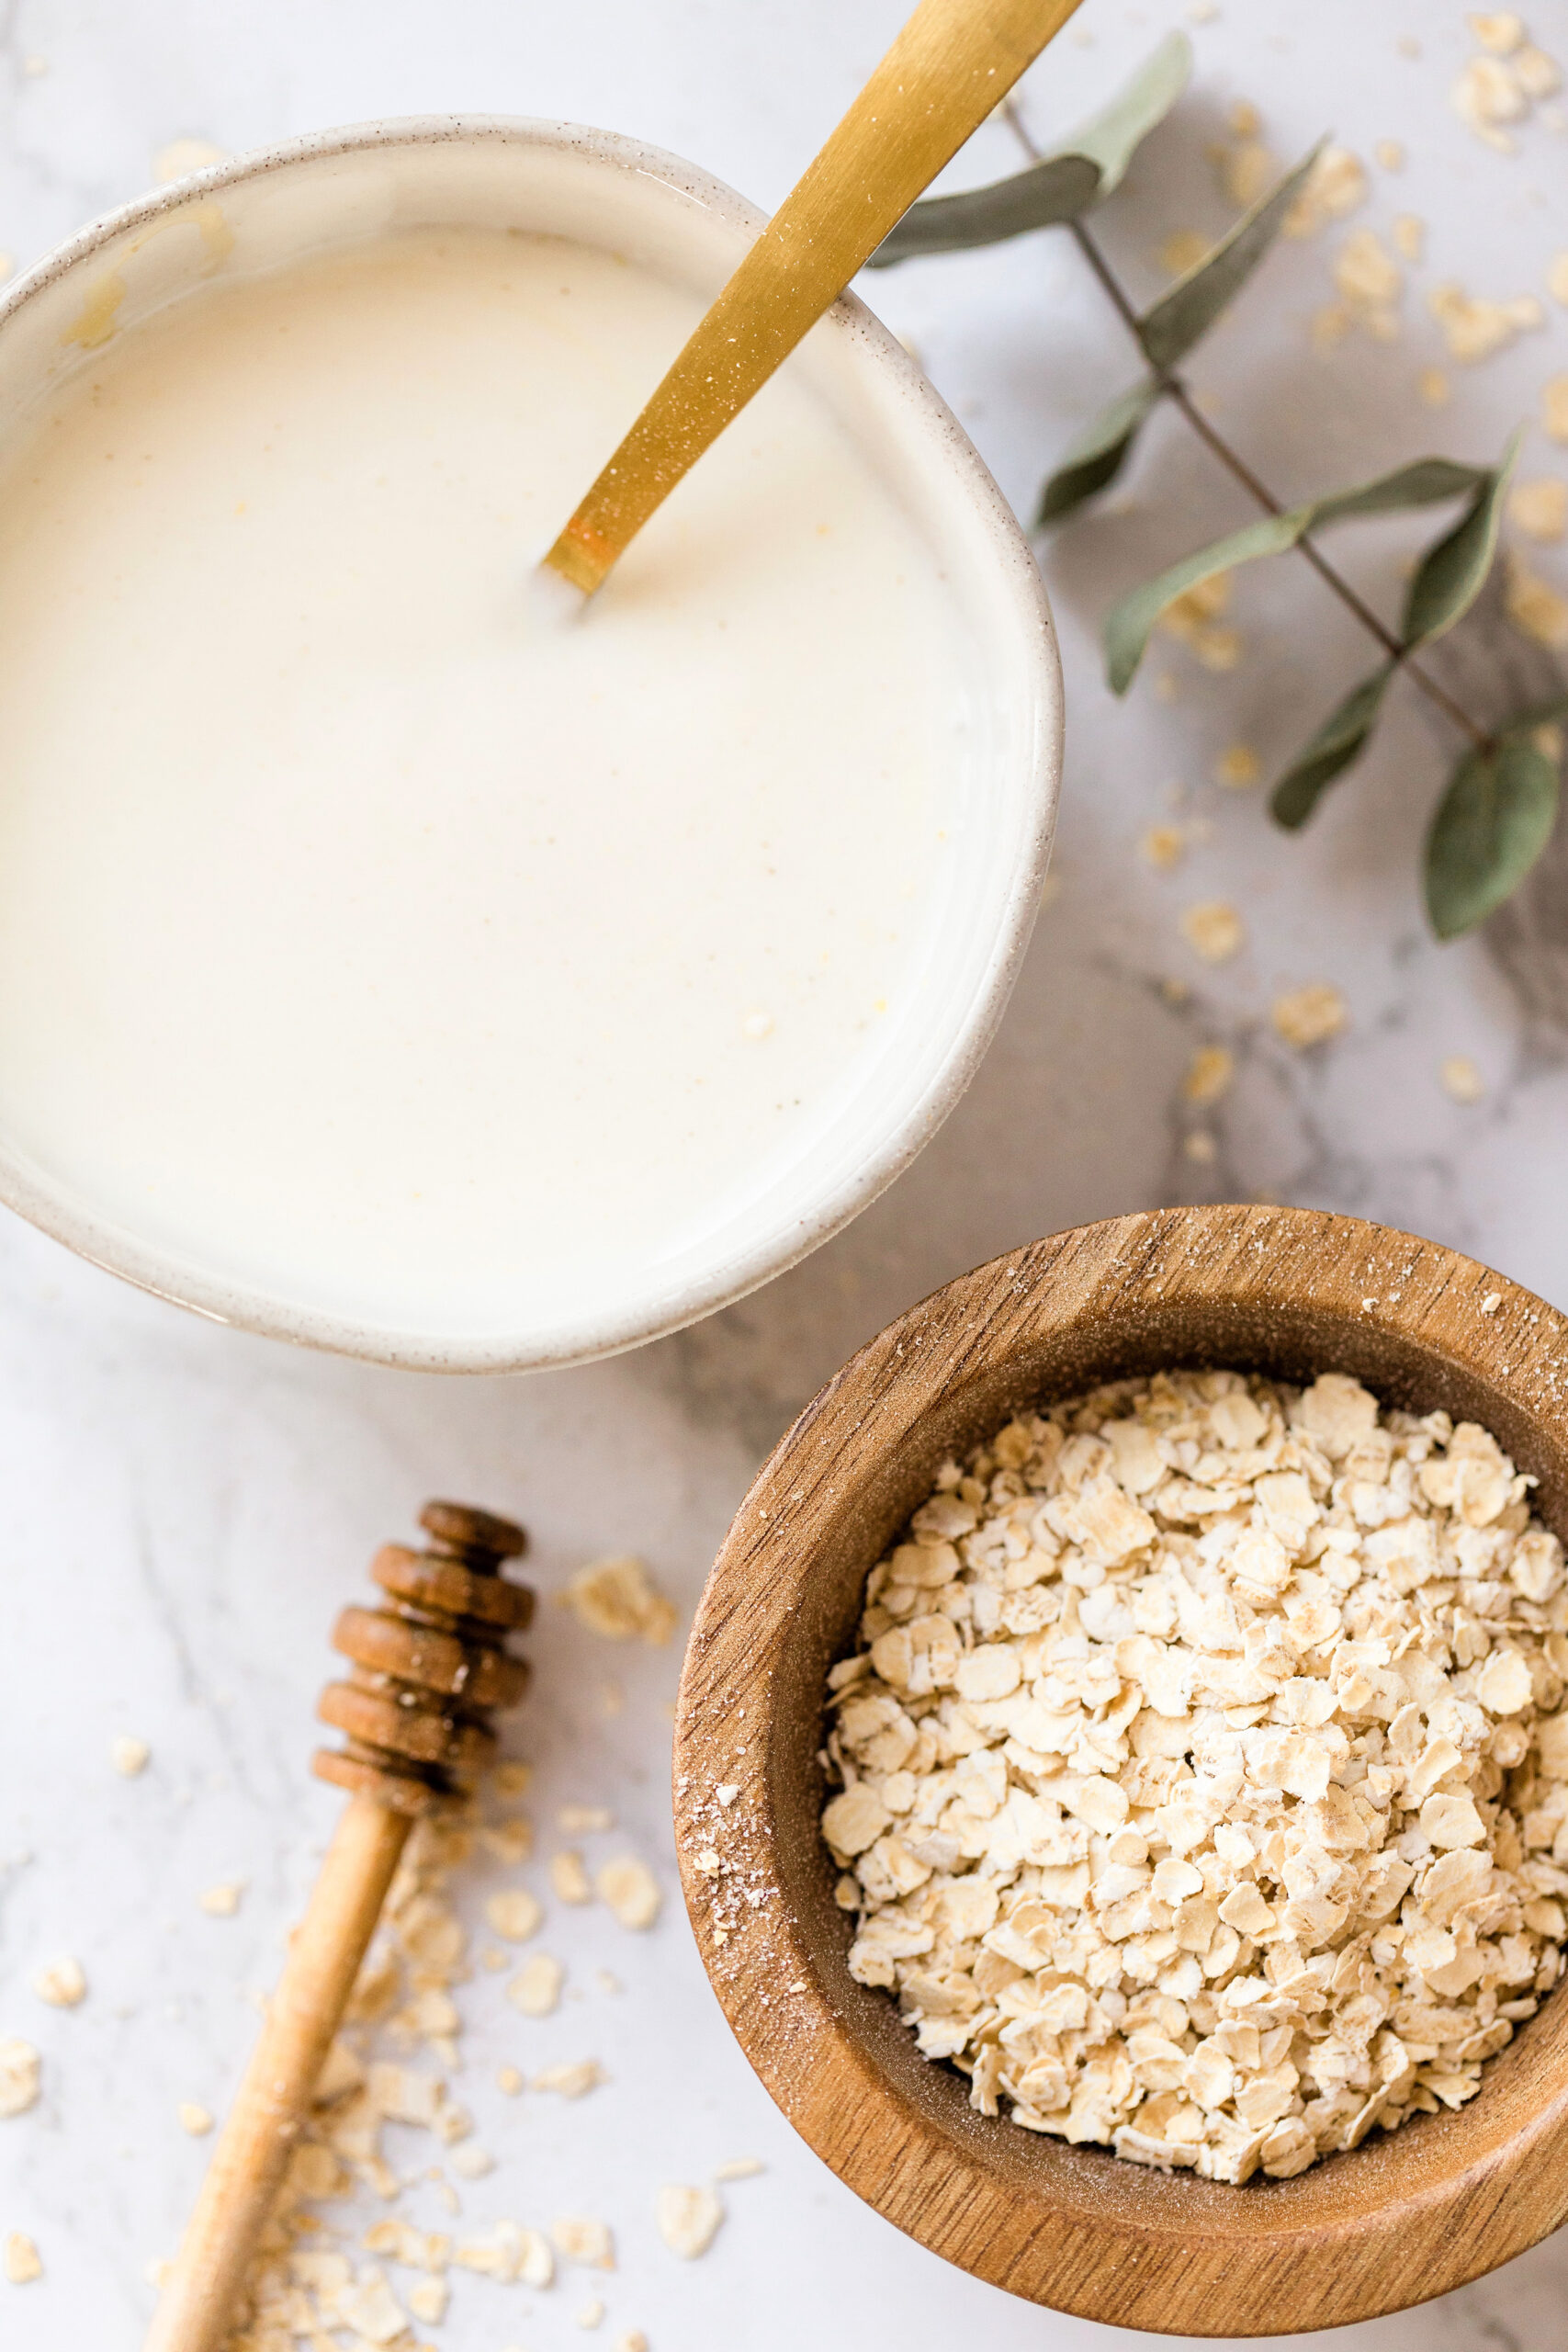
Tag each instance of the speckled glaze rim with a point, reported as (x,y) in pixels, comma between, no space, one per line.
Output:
(1285,1291)
(55,1209)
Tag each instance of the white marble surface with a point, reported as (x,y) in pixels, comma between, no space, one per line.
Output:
(187,1506)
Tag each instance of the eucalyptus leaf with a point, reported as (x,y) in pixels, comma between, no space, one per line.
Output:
(1491,825)
(1180,318)
(1093,460)
(1338,742)
(1052,191)
(1452,574)
(1113,137)
(1078,172)
(1421,483)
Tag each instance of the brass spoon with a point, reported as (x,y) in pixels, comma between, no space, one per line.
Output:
(952,63)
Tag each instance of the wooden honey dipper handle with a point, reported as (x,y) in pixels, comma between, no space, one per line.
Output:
(428,1666)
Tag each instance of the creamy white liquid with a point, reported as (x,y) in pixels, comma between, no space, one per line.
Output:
(362,937)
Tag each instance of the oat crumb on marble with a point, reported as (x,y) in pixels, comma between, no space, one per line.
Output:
(427,2300)
(1473,328)
(1537,609)
(19,2077)
(1310,1015)
(1460,1078)
(585,1820)
(514,1914)
(223,1902)
(130,1756)
(634,2340)
(568,1877)
(1164,846)
(509,2253)
(688,2218)
(509,2081)
(1209,1074)
(588,2243)
(572,2080)
(618,1600)
(182,157)
(1390,153)
(1539,507)
(1432,388)
(1237,767)
(1213,930)
(22,2260)
(510,1777)
(606,1981)
(1336,185)
(471,2161)
(510,1840)
(415,2249)
(739,2168)
(196,2121)
(536,1988)
(62,1982)
(631,1889)
(592,2312)
(1207,1794)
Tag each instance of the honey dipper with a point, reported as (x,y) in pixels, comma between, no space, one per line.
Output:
(430,1665)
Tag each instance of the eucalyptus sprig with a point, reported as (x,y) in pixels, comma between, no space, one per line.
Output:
(1497,813)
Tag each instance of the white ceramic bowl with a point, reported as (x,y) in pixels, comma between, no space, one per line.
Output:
(340,188)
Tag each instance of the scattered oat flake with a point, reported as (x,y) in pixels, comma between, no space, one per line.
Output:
(1409,236)
(571,2080)
(1182,250)
(415,2249)
(471,2161)
(631,1891)
(1539,507)
(1193,618)
(509,2081)
(1310,1015)
(427,2300)
(509,2253)
(583,1820)
(1370,281)
(1164,845)
(514,1914)
(1474,328)
(1213,930)
(194,2120)
(130,1756)
(634,2340)
(536,1988)
(1238,766)
(223,1902)
(1536,608)
(22,2262)
(688,2219)
(1209,1074)
(510,1840)
(370,2306)
(1554,407)
(1335,186)
(512,1777)
(1244,170)
(182,157)
(1200,1146)
(569,1878)
(1492,1302)
(1460,1078)
(62,1983)
(19,2068)
(618,1598)
(592,2314)
(1390,153)
(1432,388)
(739,2168)
(584,2242)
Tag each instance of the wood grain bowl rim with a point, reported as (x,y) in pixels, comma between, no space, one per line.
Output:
(1403,2217)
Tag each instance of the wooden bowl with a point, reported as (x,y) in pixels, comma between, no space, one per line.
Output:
(1288,1292)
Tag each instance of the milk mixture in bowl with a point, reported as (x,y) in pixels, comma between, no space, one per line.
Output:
(371,942)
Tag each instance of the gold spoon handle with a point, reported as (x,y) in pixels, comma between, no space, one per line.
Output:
(952,63)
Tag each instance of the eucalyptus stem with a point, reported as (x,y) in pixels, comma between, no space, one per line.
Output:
(1174,389)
